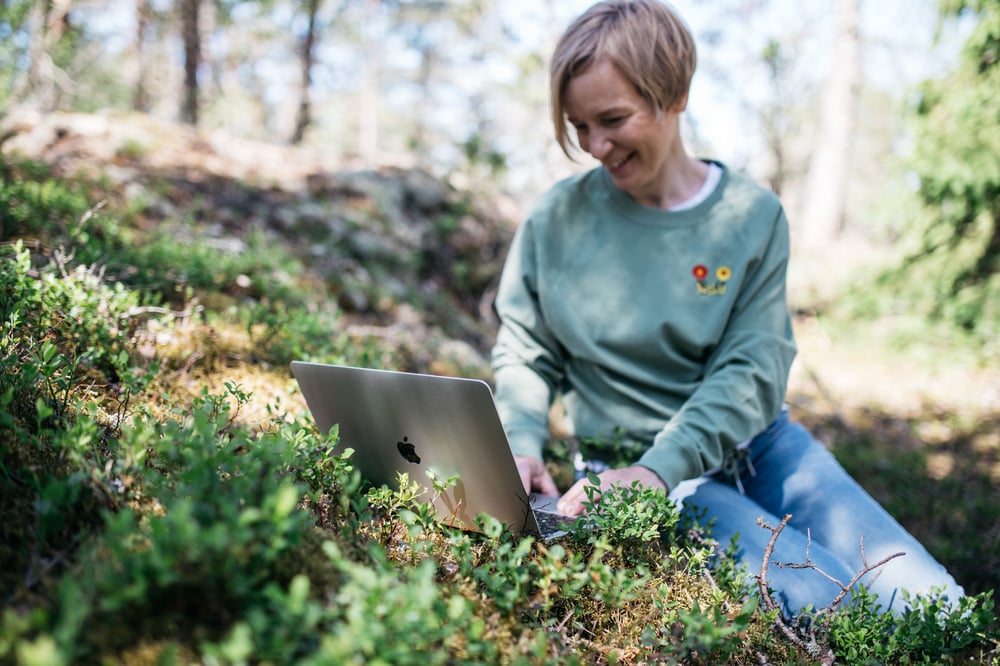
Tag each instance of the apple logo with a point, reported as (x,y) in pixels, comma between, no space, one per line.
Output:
(408,451)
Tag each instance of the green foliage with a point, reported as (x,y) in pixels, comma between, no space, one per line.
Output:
(626,514)
(225,515)
(284,333)
(14,44)
(708,634)
(928,631)
(132,149)
(477,153)
(952,272)
(61,334)
(384,618)
(83,320)
(31,204)
(170,263)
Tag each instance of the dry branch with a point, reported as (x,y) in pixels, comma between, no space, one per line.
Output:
(813,639)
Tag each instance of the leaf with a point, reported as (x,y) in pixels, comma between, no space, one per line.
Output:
(43,409)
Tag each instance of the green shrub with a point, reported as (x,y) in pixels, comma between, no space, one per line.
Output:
(63,327)
(284,333)
(221,514)
(177,260)
(388,617)
(928,631)
(32,205)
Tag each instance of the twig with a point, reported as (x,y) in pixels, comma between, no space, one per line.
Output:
(562,623)
(866,568)
(151,309)
(765,593)
(815,646)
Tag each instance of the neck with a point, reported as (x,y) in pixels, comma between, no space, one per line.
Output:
(678,183)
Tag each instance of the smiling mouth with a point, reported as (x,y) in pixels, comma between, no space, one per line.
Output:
(617,166)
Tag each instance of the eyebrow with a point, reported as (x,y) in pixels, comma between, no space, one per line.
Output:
(613,111)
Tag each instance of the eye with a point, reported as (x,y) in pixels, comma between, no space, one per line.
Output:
(614,121)
(580,128)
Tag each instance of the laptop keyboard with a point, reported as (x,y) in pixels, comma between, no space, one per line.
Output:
(549,522)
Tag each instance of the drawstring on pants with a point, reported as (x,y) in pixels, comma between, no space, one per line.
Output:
(733,466)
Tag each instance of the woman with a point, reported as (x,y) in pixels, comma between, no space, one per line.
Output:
(649,295)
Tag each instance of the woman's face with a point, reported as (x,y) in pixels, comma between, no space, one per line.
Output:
(623,131)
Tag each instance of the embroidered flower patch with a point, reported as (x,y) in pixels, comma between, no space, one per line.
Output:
(706,288)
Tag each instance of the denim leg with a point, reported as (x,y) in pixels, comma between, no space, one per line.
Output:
(794,474)
(736,514)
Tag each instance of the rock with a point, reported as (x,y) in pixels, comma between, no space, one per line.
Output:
(378,237)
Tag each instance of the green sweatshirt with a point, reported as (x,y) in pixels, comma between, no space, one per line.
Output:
(670,329)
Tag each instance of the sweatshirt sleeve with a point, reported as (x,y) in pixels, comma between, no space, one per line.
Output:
(527,359)
(745,378)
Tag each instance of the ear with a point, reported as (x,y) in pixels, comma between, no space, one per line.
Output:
(680,105)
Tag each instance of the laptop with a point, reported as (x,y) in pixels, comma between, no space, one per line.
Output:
(428,424)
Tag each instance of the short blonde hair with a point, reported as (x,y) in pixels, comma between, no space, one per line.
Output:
(645,39)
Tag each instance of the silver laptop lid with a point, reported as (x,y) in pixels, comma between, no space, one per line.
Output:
(406,422)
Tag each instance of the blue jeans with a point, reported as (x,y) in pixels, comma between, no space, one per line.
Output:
(792,473)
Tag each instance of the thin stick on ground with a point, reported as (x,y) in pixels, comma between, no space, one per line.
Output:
(814,639)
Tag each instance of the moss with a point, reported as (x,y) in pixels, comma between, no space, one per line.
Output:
(153,653)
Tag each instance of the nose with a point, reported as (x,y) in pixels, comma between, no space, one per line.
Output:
(599,144)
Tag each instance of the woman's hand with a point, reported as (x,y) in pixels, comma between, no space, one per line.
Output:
(534,476)
(571,504)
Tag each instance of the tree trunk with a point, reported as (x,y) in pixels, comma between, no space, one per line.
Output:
(140,93)
(191,35)
(304,117)
(368,108)
(42,80)
(825,201)
(774,116)
(420,138)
